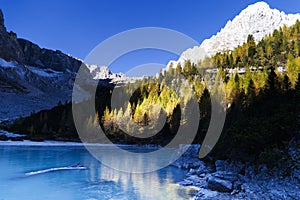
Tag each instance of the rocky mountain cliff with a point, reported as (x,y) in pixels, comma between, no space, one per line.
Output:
(34,78)
(27,53)
(257,19)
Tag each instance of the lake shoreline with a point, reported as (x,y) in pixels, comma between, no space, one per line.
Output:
(68,143)
(235,180)
(220,179)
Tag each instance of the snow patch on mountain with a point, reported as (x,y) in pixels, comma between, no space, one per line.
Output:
(6,64)
(24,89)
(44,72)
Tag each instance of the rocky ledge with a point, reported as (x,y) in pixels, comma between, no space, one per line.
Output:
(234,180)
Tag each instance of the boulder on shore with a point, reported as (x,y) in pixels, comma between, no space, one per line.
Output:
(217,184)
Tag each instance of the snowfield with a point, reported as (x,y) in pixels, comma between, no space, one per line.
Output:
(257,19)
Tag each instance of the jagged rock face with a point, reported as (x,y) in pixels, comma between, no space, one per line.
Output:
(31,52)
(1,18)
(9,47)
(28,53)
(257,19)
(45,58)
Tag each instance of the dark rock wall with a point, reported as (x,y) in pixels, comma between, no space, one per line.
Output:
(27,53)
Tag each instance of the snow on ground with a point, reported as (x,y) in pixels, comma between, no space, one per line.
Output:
(11,135)
(54,143)
(44,72)
(45,143)
(6,64)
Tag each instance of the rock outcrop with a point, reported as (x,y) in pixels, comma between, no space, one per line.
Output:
(25,52)
(9,46)
(1,18)
(45,58)
(220,185)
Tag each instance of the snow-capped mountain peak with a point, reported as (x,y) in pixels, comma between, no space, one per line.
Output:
(103,72)
(257,19)
(257,6)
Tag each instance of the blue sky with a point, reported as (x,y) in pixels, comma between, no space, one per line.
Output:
(76,27)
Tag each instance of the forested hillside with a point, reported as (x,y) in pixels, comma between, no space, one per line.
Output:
(262,87)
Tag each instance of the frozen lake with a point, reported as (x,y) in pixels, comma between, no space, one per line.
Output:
(43,172)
